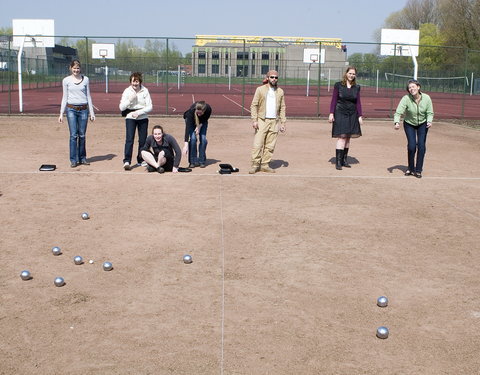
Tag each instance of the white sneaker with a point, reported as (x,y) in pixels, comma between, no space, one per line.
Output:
(144,163)
(126,166)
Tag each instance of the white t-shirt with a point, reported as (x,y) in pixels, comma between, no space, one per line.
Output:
(271,104)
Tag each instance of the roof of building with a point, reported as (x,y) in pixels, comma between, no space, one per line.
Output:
(201,40)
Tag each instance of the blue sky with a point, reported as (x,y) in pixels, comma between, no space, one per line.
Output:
(352,21)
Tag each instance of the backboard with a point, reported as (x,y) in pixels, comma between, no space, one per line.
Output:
(314,56)
(400,42)
(103,51)
(33,33)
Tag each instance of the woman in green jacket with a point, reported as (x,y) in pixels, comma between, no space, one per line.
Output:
(417,109)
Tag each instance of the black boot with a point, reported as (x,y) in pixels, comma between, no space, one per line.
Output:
(338,159)
(345,162)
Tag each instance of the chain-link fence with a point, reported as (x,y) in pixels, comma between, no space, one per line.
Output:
(225,72)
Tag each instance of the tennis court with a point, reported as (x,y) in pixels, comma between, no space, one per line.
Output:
(286,267)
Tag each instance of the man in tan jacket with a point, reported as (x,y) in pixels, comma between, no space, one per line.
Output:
(268,116)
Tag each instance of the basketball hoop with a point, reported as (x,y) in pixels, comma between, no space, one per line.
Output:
(104,51)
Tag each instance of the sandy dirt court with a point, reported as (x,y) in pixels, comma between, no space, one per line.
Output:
(287,267)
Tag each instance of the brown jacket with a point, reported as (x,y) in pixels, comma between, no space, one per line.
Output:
(259,102)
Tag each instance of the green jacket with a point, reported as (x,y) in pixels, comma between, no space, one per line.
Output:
(414,114)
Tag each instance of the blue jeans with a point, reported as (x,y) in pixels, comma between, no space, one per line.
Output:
(194,156)
(416,144)
(77,124)
(130,125)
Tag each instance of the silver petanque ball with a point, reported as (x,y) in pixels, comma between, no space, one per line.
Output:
(382,301)
(382,332)
(85,216)
(25,275)
(78,260)
(56,250)
(187,259)
(107,266)
(59,281)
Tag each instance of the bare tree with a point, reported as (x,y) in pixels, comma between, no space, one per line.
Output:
(6,31)
(397,20)
(415,13)
(421,11)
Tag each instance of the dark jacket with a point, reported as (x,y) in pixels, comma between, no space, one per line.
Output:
(167,142)
(189,116)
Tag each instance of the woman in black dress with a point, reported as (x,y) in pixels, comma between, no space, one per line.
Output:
(345,115)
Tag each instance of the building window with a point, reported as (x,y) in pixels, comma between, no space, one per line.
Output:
(215,68)
(265,56)
(202,55)
(201,68)
(226,69)
(265,69)
(226,55)
(276,56)
(242,55)
(242,71)
(253,55)
(253,70)
(215,55)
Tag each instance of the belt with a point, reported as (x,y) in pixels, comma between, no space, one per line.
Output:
(78,107)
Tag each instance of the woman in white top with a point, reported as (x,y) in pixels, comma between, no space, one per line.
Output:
(135,104)
(77,102)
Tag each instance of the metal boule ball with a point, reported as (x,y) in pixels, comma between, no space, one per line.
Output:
(56,250)
(25,275)
(382,301)
(187,259)
(78,260)
(107,266)
(59,281)
(382,332)
(85,216)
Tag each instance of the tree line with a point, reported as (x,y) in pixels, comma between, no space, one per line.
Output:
(152,56)
(130,56)
(449,42)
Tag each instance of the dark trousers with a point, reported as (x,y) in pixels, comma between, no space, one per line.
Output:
(130,126)
(416,144)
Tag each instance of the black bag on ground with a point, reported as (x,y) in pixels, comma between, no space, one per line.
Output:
(47,167)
